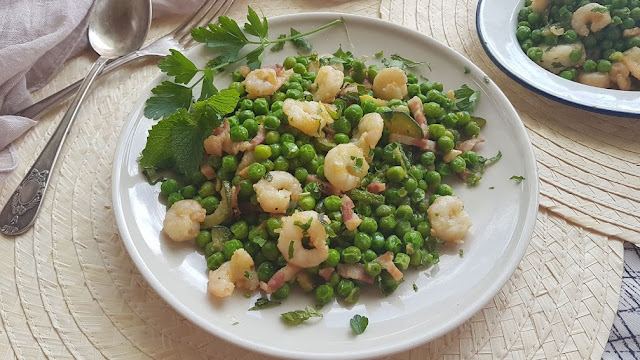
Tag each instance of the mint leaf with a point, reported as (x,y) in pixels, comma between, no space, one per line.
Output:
(327,228)
(517,178)
(290,249)
(158,152)
(297,317)
(167,98)
(304,226)
(263,303)
(187,146)
(300,42)
(359,324)
(176,64)
(208,88)
(224,101)
(467,98)
(254,26)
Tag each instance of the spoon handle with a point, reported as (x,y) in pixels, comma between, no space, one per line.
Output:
(20,212)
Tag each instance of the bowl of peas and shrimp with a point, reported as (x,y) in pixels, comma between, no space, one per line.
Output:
(584,53)
(339,192)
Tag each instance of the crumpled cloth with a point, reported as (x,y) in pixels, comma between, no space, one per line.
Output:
(37,38)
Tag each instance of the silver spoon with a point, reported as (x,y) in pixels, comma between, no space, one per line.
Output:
(116,28)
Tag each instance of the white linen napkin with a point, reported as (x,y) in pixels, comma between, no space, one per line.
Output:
(37,37)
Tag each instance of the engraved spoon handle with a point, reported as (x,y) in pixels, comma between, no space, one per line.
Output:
(20,212)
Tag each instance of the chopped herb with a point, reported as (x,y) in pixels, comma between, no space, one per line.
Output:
(415,287)
(403,63)
(248,275)
(461,253)
(327,228)
(379,54)
(259,240)
(517,178)
(358,163)
(467,70)
(304,226)
(291,249)
(300,42)
(491,187)
(557,65)
(235,323)
(297,317)
(495,158)
(151,175)
(467,98)
(341,57)
(359,324)
(279,46)
(486,79)
(263,303)
(599,9)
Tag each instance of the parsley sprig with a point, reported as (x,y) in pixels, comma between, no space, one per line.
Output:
(227,39)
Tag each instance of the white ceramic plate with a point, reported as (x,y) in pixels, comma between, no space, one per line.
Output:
(457,287)
(496,22)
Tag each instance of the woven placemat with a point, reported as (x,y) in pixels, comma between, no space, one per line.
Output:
(69,288)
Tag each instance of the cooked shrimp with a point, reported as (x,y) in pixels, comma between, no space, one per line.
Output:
(390,83)
(448,219)
(369,132)
(597,79)
(539,6)
(308,116)
(619,74)
(592,16)
(265,82)
(631,32)
(237,272)
(327,84)
(345,166)
(558,58)
(290,239)
(632,61)
(182,222)
(276,190)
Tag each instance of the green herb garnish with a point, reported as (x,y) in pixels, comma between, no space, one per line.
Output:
(297,317)
(467,98)
(263,303)
(359,324)
(517,178)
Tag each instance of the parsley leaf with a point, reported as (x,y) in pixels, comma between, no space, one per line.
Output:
(342,57)
(208,88)
(467,70)
(254,58)
(408,63)
(297,317)
(176,64)
(279,45)
(517,178)
(359,324)
(300,42)
(415,287)
(254,26)
(304,226)
(379,54)
(227,38)
(599,9)
(263,303)
(467,98)
(167,98)
(290,249)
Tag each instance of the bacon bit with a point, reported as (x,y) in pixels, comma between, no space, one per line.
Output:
(326,273)
(464,174)
(208,171)
(234,200)
(468,145)
(448,157)
(244,70)
(280,278)
(416,107)
(248,158)
(259,138)
(354,271)
(376,187)
(424,144)
(367,84)
(276,67)
(386,260)
(351,220)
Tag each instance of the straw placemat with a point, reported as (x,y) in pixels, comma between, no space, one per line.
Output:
(69,288)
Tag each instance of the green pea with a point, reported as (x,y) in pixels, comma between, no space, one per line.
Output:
(230,247)
(446,144)
(282,293)
(256,171)
(289,62)
(432,178)
(393,244)
(169,187)
(458,165)
(299,68)
(471,129)
(215,260)
(369,255)
(272,225)
(589,66)
(306,153)
(341,138)
(306,202)
(203,238)
(387,223)
(208,188)
(188,192)
(368,106)
(523,33)
(372,268)
(332,203)
(266,271)
(535,53)
(173,198)
(344,288)
(324,294)
(210,204)
(575,56)
(280,163)
(342,125)
(604,66)
(378,242)
(570,37)
(237,86)
(270,250)
(229,163)
(424,228)
(271,122)
(290,150)
(396,174)
(240,230)
(404,212)
(351,255)
(368,225)
(313,189)
(401,260)
(362,241)
(565,74)
(444,190)
(262,152)
(384,210)
(372,72)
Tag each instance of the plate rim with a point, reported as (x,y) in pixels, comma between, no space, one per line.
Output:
(484,40)
(513,260)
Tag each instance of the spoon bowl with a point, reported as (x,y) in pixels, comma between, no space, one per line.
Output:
(116,28)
